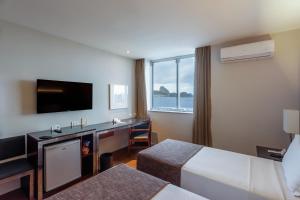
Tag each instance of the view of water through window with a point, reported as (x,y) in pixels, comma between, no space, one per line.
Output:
(169,79)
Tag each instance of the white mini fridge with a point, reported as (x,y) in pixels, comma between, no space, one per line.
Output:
(62,164)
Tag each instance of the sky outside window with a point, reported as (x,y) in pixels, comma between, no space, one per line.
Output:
(165,85)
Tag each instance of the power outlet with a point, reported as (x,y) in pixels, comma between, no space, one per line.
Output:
(56,127)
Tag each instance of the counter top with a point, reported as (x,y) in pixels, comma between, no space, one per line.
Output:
(78,129)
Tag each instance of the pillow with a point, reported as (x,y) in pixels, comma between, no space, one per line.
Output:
(291,166)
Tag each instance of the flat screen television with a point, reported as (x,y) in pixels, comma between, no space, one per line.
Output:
(58,96)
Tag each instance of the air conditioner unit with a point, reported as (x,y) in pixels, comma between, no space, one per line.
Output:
(256,50)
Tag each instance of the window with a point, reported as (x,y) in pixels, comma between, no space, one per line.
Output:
(173,84)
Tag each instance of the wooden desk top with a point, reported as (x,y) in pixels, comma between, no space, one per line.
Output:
(78,129)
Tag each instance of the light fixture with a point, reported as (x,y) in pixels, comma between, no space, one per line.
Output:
(290,126)
(291,122)
(128,52)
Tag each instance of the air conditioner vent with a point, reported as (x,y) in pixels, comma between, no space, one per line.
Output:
(251,51)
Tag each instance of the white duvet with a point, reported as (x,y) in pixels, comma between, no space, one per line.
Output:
(171,192)
(216,174)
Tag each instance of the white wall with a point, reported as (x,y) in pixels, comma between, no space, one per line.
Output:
(26,55)
(172,125)
(248,97)
(247,100)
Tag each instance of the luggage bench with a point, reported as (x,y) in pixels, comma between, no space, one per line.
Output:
(18,169)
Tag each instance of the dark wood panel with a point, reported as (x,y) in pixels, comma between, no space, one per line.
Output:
(106,135)
(11,147)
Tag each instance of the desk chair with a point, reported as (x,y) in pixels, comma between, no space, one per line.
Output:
(140,133)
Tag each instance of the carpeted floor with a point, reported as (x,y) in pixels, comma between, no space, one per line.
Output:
(125,156)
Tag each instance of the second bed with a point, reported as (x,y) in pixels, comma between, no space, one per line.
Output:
(215,174)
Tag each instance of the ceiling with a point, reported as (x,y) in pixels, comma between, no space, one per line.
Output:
(153,28)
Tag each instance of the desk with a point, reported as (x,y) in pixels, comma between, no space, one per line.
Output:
(35,144)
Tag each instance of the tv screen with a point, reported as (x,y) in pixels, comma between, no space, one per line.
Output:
(58,96)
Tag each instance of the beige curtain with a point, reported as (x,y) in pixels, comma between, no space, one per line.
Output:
(202,97)
(141,99)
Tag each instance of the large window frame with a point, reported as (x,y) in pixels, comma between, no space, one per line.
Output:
(177,61)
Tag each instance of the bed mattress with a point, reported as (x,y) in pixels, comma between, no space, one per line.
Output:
(172,192)
(218,174)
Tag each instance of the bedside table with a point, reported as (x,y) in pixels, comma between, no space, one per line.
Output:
(262,152)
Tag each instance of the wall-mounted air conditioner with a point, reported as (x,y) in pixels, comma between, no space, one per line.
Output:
(250,51)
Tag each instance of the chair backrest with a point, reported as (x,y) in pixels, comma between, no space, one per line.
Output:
(12,147)
(146,125)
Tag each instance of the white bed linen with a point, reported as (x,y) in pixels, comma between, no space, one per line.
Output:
(216,174)
(173,192)
(288,194)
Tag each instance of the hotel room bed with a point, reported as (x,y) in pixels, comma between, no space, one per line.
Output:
(124,183)
(216,174)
